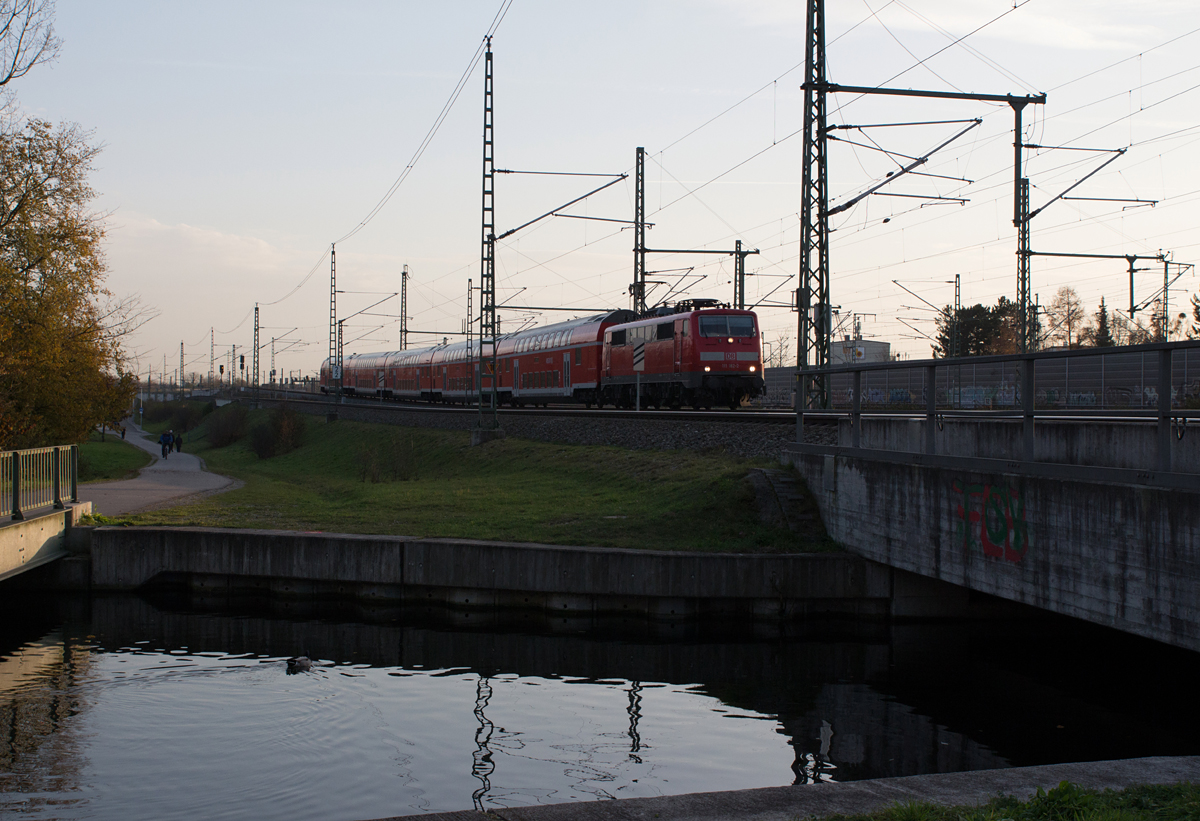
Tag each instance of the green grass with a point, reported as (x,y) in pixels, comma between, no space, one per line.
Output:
(111,459)
(1066,802)
(352,477)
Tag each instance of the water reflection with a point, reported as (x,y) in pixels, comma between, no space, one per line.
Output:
(124,709)
(482,765)
(635,712)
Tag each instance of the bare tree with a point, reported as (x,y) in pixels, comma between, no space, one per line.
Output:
(778,351)
(1127,332)
(26,37)
(26,40)
(1067,317)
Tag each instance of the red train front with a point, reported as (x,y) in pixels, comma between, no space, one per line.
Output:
(692,354)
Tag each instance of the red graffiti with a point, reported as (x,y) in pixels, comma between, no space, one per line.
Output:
(992,517)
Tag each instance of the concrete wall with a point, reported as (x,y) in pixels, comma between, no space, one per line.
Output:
(489,574)
(1101,444)
(1123,556)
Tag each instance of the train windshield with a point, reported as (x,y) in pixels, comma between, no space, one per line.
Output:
(726,325)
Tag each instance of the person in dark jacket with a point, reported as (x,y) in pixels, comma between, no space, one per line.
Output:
(166,440)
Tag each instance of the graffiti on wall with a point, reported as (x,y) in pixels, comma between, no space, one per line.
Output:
(991,518)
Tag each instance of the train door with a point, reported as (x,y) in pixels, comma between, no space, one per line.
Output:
(567,371)
(445,377)
(516,388)
(679,326)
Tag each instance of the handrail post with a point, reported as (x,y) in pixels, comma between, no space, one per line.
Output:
(55,461)
(74,473)
(1028,442)
(856,412)
(801,389)
(931,409)
(16,487)
(1164,411)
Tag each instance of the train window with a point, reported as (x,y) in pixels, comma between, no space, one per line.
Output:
(741,325)
(579,356)
(618,337)
(666,330)
(714,326)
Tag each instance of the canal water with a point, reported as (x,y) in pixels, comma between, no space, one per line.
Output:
(124,708)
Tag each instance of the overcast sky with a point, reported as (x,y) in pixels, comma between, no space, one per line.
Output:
(241,139)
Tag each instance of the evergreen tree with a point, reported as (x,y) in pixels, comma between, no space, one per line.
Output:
(1102,334)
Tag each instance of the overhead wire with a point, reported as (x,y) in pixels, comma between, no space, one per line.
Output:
(437,124)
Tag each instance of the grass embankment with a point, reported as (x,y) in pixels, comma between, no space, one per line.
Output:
(102,461)
(353,477)
(1066,802)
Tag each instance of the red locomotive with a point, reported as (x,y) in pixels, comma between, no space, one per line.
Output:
(695,353)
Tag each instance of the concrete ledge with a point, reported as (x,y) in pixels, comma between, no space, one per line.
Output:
(473,574)
(790,803)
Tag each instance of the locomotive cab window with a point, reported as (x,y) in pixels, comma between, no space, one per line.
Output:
(618,337)
(666,330)
(726,326)
(741,325)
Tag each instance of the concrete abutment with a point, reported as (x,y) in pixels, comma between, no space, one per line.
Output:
(1124,556)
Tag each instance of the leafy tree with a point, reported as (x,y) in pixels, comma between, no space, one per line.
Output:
(60,358)
(1009,314)
(974,331)
(1194,331)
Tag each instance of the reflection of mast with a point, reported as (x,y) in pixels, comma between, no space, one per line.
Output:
(810,768)
(482,765)
(635,713)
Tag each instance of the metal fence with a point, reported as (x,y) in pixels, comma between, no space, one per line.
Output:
(37,478)
(1122,380)
(1157,382)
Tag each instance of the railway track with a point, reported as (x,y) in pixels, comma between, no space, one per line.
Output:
(748,417)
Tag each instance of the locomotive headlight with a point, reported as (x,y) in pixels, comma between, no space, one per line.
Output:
(707,369)
(751,369)
(731,340)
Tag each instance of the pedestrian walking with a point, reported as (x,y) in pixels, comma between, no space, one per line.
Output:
(179,443)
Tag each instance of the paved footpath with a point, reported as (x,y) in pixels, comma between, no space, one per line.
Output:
(165,480)
(819,800)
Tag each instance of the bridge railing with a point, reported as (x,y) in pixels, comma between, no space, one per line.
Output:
(38,478)
(1156,383)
